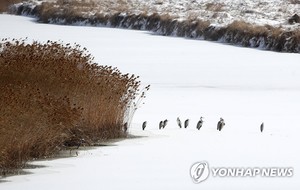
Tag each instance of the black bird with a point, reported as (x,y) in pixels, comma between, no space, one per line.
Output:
(144,125)
(125,127)
(165,123)
(200,123)
(186,123)
(179,122)
(161,125)
(221,124)
(262,127)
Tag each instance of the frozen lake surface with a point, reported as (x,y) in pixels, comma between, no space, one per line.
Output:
(189,79)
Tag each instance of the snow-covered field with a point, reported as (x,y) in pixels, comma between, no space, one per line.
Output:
(189,79)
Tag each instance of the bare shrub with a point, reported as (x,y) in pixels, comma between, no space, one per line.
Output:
(240,32)
(153,21)
(69,12)
(202,25)
(288,41)
(294,19)
(4,4)
(53,96)
(192,15)
(214,7)
(167,24)
(271,38)
(274,31)
(245,27)
(121,6)
(159,2)
(294,1)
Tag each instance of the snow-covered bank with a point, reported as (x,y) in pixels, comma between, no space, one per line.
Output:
(189,79)
(218,12)
(237,29)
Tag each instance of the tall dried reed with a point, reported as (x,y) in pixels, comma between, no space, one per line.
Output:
(54,95)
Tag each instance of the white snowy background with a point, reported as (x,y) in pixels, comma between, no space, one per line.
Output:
(189,79)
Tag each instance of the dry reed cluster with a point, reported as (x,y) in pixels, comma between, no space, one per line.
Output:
(53,96)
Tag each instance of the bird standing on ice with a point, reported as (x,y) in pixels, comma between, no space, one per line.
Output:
(125,127)
(165,123)
(144,125)
(221,124)
(179,122)
(200,123)
(161,125)
(262,127)
(186,123)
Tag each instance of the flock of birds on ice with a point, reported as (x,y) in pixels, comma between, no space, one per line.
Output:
(220,124)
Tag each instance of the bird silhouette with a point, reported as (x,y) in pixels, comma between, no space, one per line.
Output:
(161,125)
(179,122)
(186,123)
(262,127)
(165,123)
(200,123)
(125,127)
(144,125)
(220,124)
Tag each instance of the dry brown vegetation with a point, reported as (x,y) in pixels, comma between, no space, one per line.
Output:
(268,37)
(53,96)
(241,32)
(214,7)
(294,1)
(4,4)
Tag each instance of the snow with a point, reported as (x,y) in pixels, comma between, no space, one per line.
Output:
(189,79)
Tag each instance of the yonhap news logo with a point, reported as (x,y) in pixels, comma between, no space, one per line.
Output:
(200,171)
